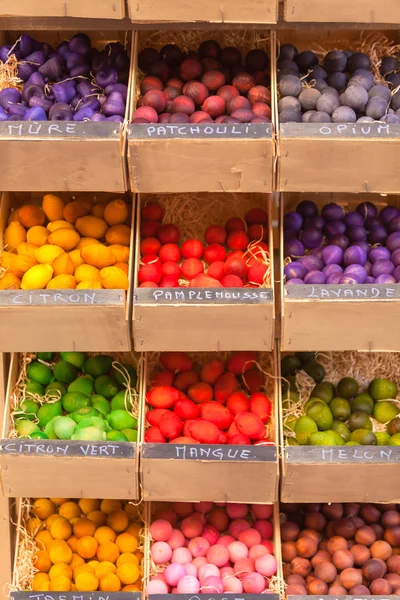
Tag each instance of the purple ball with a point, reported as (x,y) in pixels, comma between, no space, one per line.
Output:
(311,238)
(372,221)
(364,245)
(334,279)
(316,222)
(290,234)
(332,211)
(294,248)
(385,278)
(355,255)
(315,277)
(367,209)
(331,270)
(307,208)
(382,267)
(356,234)
(356,271)
(396,273)
(317,252)
(396,257)
(388,213)
(294,281)
(334,227)
(394,225)
(312,263)
(377,234)
(339,240)
(332,255)
(295,270)
(370,279)
(368,267)
(379,253)
(293,220)
(393,241)
(354,219)
(348,280)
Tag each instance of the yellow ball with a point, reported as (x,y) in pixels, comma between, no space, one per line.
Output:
(47,253)
(60,552)
(119,234)
(109,506)
(62,282)
(128,573)
(61,529)
(127,557)
(87,582)
(116,212)
(98,255)
(127,542)
(65,238)
(89,284)
(53,207)
(86,241)
(26,248)
(59,225)
(120,252)
(22,263)
(63,265)
(37,277)
(31,215)
(42,508)
(44,539)
(113,278)
(60,584)
(60,569)
(109,582)
(91,226)
(88,505)
(9,281)
(74,210)
(75,256)
(37,235)
(40,582)
(33,525)
(14,235)
(104,567)
(86,272)
(70,510)
(118,521)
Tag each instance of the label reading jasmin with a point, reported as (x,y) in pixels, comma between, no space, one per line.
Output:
(75,596)
(343,292)
(61,297)
(210,452)
(341,454)
(203,295)
(216,596)
(200,130)
(57,129)
(67,448)
(341,130)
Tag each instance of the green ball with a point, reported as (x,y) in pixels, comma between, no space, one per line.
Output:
(395,440)
(46,356)
(342,429)
(364,437)
(65,371)
(315,370)
(382,438)
(324,390)
(116,436)
(321,414)
(101,404)
(130,434)
(340,409)
(48,411)
(83,384)
(98,365)
(39,373)
(75,358)
(382,389)
(347,388)
(385,411)
(55,390)
(121,419)
(32,388)
(118,402)
(363,403)
(106,386)
(359,420)
(73,401)
(304,427)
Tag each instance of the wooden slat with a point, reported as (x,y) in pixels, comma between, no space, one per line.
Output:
(341,11)
(101,9)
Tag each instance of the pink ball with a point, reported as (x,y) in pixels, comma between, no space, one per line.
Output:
(193,526)
(161,552)
(211,585)
(156,587)
(237,511)
(208,570)
(173,573)
(218,555)
(262,511)
(168,515)
(266,565)
(159,577)
(174,590)
(250,537)
(211,534)
(237,526)
(183,509)
(203,507)
(181,556)
(177,539)
(147,113)
(269,546)
(188,585)
(253,583)
(237,551)
(241,567)
(226,572)
(198,546)
(191,569)
(199,561)
(161,530)
(233,584)
(225,540)
(257,550)
(264,528)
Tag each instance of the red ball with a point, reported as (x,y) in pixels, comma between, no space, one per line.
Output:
(171,92)
(152,211)
(170,252)
(261,110)
(148,284)
(168,281)
(199,116)
(241,440)
(175,82)
(190,69)
(238,240)
(216,270)
(261,406)
(191,267)
(235,266)
(150,83)
(196,91)
(257,232)
(256,273)
(147,113)
(215,234)
(244,115)
(204,281)
(169,234)
(154,435)
(156,99)
(149,228)
(150,272)
(243,82)
(227,92)
(236,103)
(256,216)
(231,281)
(179,117)
(150,246)
(235,224)
(213,253)
(164,118)
(214,106)
(260,120)
(259,93)
(183,104)
(192,249)
(213,80)
(209,64)
(238,402)
(172,269)
(150,258)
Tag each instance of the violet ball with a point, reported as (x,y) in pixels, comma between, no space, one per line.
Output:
(294,248)
(332,211)
(334,279)
(358,272)
(367,210)
(385,278)
(315,277)
(332,255)
(388,213)
(353,219)
(294,281)
(334,227)
(331,269)
(311,238)
(312,262)
(295,270)
(393,241)
(307,208)
(339,240)
(354,255)
(382,267)
(378,253)
(377,234)
(293,220)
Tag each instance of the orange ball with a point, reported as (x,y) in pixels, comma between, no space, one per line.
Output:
(108,551)
(87,546)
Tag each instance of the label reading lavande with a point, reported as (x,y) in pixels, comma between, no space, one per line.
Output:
(68,448)
(213,452)
(364,291)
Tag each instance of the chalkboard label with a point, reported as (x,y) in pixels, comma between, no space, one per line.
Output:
(215,596)
(344,597)
(342,292)
(68,448)
(59,129)
(61,297)
(343,454)
(76,596)
(203,296)
(210,452)
(200,130)
(340,130)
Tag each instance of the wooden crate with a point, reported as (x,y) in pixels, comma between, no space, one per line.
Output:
(102,9)
(341,11)
(209,318)
(63,155)
(336,157)
(338,317)
(172,472)
(64,468)
(61,320)
(338,473)
(265,12)
(207,157)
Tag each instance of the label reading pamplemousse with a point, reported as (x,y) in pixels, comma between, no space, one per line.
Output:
(203,296)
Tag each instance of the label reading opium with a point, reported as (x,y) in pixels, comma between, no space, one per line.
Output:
(340,130)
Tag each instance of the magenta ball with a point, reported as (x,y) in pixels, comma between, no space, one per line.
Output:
(173,573)
(156,586)
(250,537)
(266,565)
(211,585)
(237,526)
(208,570)
(192,526)
(181,556)
(199,561)
(161,552)
(262,511)
(211,534)
(203,507)
(257,550)
(218,555)
(264,528)
(177,539)
(188,585)
(237,511)
(253,583)
(237,551)
(191,569)
(225,540)
(198,546)
(232,584)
